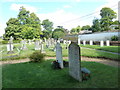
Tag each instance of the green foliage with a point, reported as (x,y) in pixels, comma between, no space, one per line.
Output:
(75,30)
(58,33)
(48,26)
(87,27)
(96,25)
(107,15)
(26,26)
(37,56)
(114,38)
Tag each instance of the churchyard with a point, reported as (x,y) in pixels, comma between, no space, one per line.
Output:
(42,75)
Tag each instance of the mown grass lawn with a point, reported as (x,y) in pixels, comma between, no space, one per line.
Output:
(41,75)
(51,53)
(105,48)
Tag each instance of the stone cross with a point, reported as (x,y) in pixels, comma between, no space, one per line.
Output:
(75,61)
(84,42)
(59,54)
(108,43)
(101,43)
(91,42)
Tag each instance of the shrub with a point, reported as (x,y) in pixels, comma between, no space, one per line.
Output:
(114,38)
(37,56)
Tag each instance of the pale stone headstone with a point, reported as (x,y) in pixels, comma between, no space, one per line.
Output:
(59,54)
(37,45)
(108,43)
(101,43)
(42,48)
(24,47)
(84,42)
(29,42)
(10,46)
(79,41)
(75,61)
(91,42)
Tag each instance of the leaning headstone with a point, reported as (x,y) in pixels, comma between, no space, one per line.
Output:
(108,43)
(75,61)
(91,42)
(101,43)
(59,54)
(84,42)
(10,46)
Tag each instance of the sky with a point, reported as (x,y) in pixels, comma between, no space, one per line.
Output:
(66,13)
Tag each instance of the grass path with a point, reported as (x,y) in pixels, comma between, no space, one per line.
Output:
(102,50)
(99,60)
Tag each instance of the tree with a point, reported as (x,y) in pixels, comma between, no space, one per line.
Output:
(58,33)
(12,28)
(75,30)
(107,15)
(87,27)
(48,26)
(96,25)
(26,25)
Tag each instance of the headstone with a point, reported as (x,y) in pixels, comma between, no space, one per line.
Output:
(42,48)
(84,42)
(10,46)
(91,42)
(59,54)
(79,41)
(29,42)
(24,47)
(101,43)
(108,43)
(75,61)
(37,45)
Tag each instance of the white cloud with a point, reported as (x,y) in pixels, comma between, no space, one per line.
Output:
(16,7)
(2,27)
(67,6)
(62,18)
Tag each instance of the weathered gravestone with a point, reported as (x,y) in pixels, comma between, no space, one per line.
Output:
(59,54)
(37,45)
(101,43)
(24,47)
(74,58)
(108,43)
(74,61)
(10,46)
(42,48)
(91,42)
